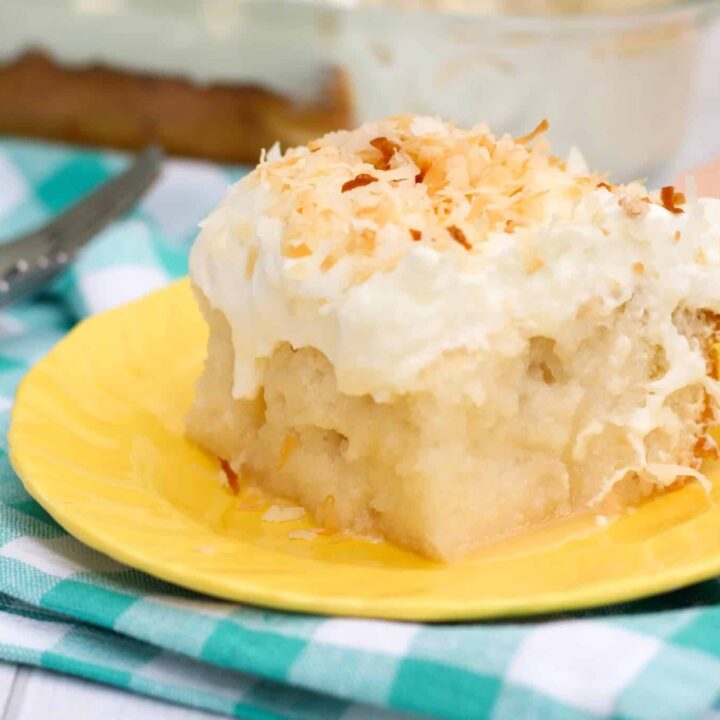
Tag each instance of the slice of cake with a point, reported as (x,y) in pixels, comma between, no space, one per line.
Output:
(449,336)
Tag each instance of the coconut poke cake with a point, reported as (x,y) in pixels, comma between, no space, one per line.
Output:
(216,80)
(451,336)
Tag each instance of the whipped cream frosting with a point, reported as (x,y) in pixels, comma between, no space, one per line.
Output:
(384,311)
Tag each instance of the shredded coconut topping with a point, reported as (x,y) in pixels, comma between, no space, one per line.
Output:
(377,190)
(390,245)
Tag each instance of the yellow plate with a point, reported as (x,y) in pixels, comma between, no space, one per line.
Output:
(97,437)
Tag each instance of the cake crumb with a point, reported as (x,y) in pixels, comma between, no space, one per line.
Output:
(253,500)
(277,513)
(305,534)
(371,539)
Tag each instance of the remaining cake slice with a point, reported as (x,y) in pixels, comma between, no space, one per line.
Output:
(451,336)
(218,80)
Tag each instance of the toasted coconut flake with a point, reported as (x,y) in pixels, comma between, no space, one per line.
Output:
(638,268)
(251,260)
(713,361)
(423,125)
(533,264)
(387,148)
(606,186)
(415,234)
(541,128)
(706,448)
(677,236)
(328,262)
(231,477)
(464,179)
(633,207)
(287,448)
(325,515)
(358,181)
(278,513)
(364,243)
(296,251)
(459,236)
(667,198)
(701,257)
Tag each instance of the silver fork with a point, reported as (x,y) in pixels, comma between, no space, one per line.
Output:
(30,261)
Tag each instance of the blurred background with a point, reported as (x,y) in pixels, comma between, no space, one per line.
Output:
(634,84)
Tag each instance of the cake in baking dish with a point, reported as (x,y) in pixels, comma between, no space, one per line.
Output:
(218,80)
(452,336)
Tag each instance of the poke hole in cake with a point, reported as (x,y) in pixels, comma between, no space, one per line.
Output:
(455,336)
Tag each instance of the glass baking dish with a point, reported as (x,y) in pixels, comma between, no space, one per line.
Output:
(615,78)
(618,84)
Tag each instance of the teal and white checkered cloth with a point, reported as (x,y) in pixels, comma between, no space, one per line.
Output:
(66,607)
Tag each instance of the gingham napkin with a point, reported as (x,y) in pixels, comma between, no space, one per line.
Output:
(71,609)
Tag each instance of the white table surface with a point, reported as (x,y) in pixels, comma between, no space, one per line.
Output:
(30,693)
